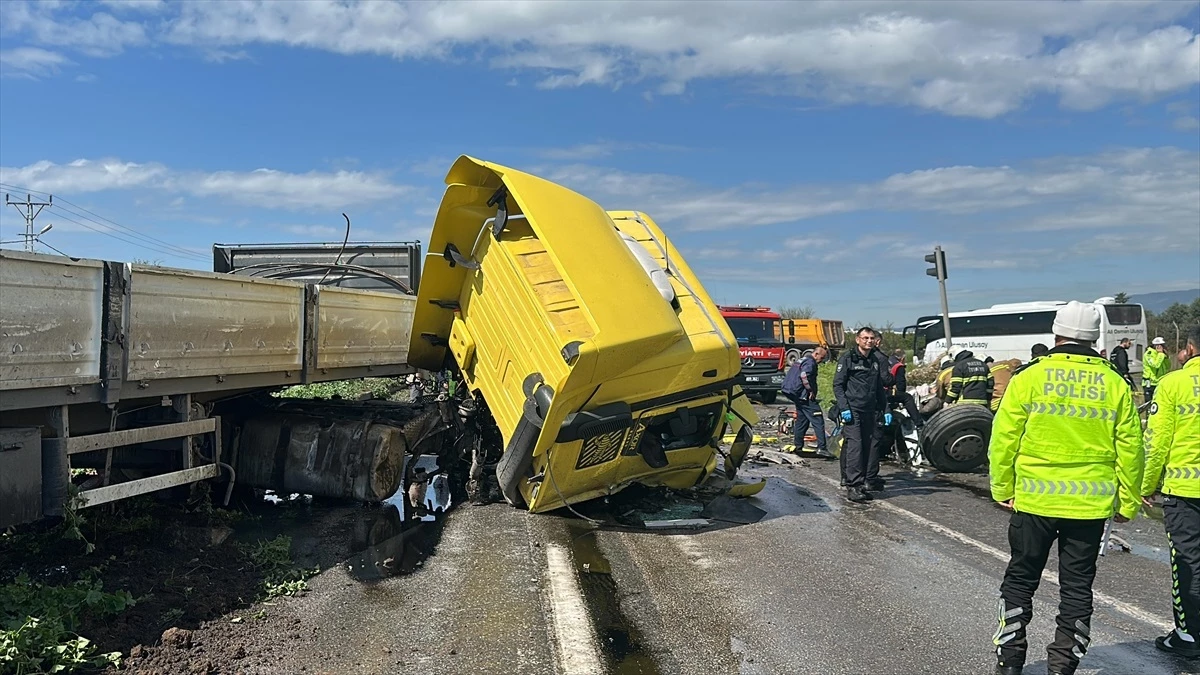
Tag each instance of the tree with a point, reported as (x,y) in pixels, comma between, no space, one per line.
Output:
(1121,298)
(805,312)
(1173,323)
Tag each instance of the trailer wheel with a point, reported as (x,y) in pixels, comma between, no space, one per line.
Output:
(956,439)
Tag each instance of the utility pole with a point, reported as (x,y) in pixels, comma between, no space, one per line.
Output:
(29,215)
(938,258)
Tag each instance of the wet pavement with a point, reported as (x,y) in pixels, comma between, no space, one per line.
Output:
(907,584)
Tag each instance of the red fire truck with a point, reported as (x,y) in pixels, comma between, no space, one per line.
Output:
(759,333)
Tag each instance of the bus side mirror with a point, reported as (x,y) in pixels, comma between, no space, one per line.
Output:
(791,325)
(792,340)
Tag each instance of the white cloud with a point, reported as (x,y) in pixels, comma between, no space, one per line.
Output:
(1186,123)
(267,188)
(51,24)
(979,59)
(1130,187)
(30,62)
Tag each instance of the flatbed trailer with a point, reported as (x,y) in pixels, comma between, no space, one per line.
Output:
(86,343)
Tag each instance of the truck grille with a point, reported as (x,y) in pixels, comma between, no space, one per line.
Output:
(761,366)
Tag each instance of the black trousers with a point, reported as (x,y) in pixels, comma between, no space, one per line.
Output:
(808,413)
(1182,518)
(860,448)
(1030,538)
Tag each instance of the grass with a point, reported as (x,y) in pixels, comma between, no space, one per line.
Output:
(389,388)
(273,559)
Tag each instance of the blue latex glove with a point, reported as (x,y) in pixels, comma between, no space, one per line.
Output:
(887,418)
(846,416)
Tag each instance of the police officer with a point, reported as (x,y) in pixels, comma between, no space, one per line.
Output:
(1155,365)
(858,388)
(1173,444)
(1065,443)
(971,381)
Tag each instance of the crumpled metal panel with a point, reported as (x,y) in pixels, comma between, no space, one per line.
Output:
(192,324)
(362,328)
(50,313)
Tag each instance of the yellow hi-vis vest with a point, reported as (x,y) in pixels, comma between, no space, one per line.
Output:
(1173,434)
(1066,441)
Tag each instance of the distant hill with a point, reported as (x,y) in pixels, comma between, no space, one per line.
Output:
(1159,302)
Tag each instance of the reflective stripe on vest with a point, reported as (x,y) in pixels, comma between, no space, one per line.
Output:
(1063,410)
(1182,472)
(1188,409)
(1067,487)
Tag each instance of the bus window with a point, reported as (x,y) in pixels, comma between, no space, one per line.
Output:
(1123,315)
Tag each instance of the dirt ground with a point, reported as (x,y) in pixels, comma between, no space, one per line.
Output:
(189,571)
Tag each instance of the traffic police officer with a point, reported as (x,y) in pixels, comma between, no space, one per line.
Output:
(858,388)
(1173,456)
(1155,365)
(1066,443)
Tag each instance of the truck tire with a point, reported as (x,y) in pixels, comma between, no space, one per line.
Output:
(955,439)
(515,462)
(768,397)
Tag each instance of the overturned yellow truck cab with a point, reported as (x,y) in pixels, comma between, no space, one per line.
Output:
(589,340)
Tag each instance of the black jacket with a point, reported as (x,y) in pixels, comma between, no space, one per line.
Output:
(971,381)
(858,382)
(899,380)
(1120,359)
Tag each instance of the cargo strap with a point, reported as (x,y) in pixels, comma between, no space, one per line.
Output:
(1080,411)
(1069,487)
(1183,472)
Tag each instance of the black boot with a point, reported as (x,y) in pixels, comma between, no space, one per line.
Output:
(857,495)
(875,485)
(1009,670)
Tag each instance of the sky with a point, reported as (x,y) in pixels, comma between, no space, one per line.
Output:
(798,154)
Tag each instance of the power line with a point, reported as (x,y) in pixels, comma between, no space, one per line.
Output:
(152,243)
(29,215)
(118,237)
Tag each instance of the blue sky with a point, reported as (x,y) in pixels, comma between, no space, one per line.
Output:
(798,153)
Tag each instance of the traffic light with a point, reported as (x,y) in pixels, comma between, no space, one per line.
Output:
(938,260)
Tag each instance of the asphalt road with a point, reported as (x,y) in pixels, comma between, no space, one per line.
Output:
(906,584)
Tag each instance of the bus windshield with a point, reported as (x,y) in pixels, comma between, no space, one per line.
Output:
(1123,315)
(755,331)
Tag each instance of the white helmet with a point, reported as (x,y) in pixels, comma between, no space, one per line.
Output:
(954,351)
(1159,341)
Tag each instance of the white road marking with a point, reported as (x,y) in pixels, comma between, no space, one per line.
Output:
(1102,598)
(575,638)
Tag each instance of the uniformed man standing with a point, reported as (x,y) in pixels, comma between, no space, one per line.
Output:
(1155,365)
(1065,444)
(970,382)
(858,388)
(1173,444)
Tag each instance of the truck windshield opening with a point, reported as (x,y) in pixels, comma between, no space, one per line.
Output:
(754,331)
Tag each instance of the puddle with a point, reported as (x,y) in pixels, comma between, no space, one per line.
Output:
(397,538)
(621,643)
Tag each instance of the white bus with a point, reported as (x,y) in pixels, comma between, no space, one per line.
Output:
(1009,331)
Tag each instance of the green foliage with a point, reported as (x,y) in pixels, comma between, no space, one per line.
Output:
(273,559)
(805,312)
(38,625)
(391,388)
(1164,324)
(1121,298)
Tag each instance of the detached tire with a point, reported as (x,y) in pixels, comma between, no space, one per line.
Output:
(956,439)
